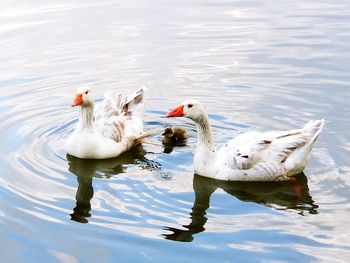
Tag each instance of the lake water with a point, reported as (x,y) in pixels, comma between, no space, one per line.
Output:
(256,65)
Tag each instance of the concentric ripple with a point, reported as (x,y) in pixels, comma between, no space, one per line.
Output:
(119,193)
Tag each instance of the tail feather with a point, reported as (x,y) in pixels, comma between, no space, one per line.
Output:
(297,160)
(314,128)
(141,138)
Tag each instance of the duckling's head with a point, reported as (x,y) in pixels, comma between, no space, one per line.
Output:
(168,132)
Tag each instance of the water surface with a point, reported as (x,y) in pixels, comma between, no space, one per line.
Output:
(256,65)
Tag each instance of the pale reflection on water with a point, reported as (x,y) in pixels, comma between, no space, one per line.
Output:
(256,65)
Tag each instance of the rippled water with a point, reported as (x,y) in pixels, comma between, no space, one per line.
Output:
(256,65)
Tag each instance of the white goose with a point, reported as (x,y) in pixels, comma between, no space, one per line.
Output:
(252,156)
(114,127)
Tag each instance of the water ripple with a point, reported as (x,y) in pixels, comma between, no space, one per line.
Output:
(255,65)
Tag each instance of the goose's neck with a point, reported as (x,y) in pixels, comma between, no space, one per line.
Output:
(86,117)
(204,133)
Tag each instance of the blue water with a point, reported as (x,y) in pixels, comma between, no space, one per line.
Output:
(255,65)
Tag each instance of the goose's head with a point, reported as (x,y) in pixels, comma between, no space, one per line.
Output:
(191,109)
(83,97)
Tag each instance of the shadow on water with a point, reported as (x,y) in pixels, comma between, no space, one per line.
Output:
(87,169)
(169,147)
(280,195)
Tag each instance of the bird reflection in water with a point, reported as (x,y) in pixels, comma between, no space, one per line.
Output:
(87,169)
(293,195)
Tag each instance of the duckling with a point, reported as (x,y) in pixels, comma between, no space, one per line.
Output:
(174,136)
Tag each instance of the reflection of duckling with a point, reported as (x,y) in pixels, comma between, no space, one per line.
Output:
(174,135)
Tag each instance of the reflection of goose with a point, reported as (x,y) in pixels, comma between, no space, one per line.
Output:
(252,156)
(281,195)
(115,127)
(86,169)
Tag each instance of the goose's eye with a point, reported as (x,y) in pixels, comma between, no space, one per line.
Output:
(189,106)
(87,92)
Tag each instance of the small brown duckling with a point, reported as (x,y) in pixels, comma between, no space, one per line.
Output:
(174,135)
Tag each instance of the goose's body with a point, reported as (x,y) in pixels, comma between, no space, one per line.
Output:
(252,156)
(113,128)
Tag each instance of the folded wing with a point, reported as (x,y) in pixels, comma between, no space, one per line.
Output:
(119,116)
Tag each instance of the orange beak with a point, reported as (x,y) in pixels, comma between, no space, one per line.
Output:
(78,100)
(177,112)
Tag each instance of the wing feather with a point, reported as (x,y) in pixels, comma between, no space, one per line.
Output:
(116,112)
(250,149)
